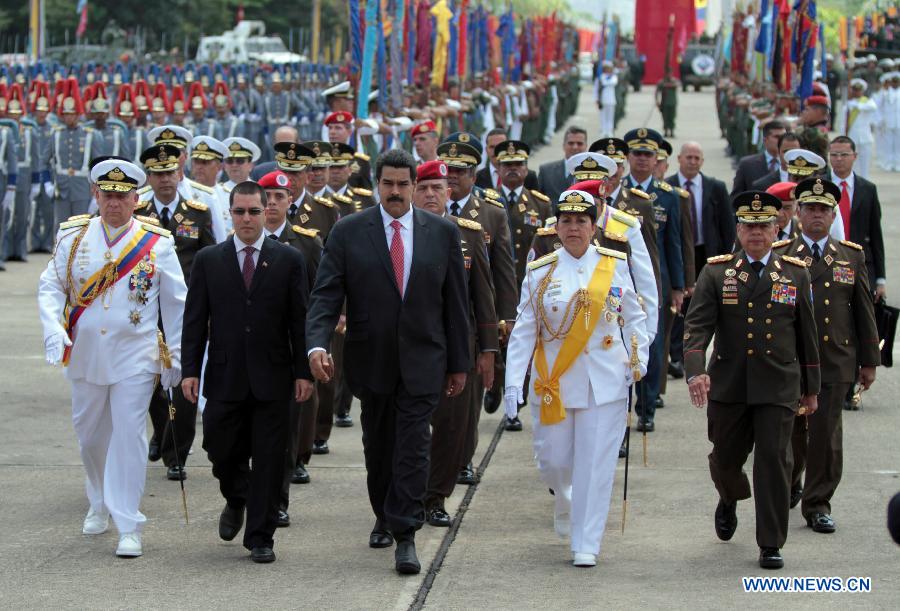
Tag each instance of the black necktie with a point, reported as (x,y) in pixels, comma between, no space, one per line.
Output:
(454,208)
(273,236)
(816,252)
(781,234)
(512,198)
(292,210)
(164,217)
(757,267)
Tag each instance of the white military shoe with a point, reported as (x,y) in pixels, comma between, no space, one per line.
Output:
(129,545)
(584,559)
(562,523)
(95,522)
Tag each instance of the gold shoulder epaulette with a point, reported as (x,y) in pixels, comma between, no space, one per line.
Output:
(204,188)
(196,205)
(360,155)
(794,260)
(147,219)
(361,191)
(661,184)
(612,235)
(491,194)
(495,202)
(469,224)
(310,233)
(154,229)
(639,193)
(720,258)
(75,222)
(609,252)
(78,216)
(540,195)
(342,198)
(545,260)
(550,222)
(144,189)
(546,231)
(88,128)
(624,217)
(853,245)
(781,243)
(324,201)
(682,192)
(226,188)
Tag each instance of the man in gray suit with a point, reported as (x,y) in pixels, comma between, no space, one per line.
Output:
(552,178)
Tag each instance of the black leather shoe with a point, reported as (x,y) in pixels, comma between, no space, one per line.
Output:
(645,425)
(153,452)
(343,421)
(796,495)
(726,520)
(491,402)
(176,473)
(437,516)
(300,475)
(770,558)
(230,522)
(320,446)
(821,523)
(406,561)
(467,476)
(660,403)
(676,370)
(262,555)
(380,536)
(284,519)
(513,424)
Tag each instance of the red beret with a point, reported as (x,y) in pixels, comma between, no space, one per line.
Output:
(589,186)
(431,170)
(423,128)
(339,117)
(782,190)
(275,180)
(819,100)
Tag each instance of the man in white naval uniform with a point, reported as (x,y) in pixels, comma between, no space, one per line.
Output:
(862,115)
(579,393)
(110,281)
(605,94)
(207,155)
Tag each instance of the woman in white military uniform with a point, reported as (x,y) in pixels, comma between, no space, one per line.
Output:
(580,322)
(109,282)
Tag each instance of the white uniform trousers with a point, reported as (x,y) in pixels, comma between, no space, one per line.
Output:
(864,152)
(577,459)
(893,149)
(607,120)
(111,426)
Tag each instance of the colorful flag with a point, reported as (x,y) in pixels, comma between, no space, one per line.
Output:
(82,9)
(803,46)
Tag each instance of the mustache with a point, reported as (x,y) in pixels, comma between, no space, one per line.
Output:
(395,198)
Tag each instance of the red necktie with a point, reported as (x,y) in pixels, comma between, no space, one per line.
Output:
(499,182)
(248,267)
(397,255)
(845,208)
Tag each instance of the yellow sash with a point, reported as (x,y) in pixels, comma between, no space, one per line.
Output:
(547,386)
(854,113)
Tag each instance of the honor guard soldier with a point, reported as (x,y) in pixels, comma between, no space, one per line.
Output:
(765,363)
(242,156)
(306,211)
(254,119)
(110,283)
(207,155)
(114,132)
(848,338)
(181,138)
(226,124)
(643,145)
(303,415)
(13,246)
(9,160)
(453,421)
(340,129)
(190,223)
(43,225)
(349,199)
(69,155)
(277,104)
(200,124)
(462,152)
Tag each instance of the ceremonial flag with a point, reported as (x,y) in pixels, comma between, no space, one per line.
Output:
(365,79)
(442,16)
(423,42)
(803,46)
(81,9)
(700,7)
(612,40)
(462,51)
(355,42)
(397,53)
(763,45)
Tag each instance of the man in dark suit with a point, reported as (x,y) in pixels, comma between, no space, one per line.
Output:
(552,177)
(401,272)
(786,142)
(754,167)
(488,177)
(860,210)
(248,298)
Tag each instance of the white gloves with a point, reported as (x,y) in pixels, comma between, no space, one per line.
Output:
(511,400)
(169,378)
(8,199)
(35,189)
(55,345)
(48,189)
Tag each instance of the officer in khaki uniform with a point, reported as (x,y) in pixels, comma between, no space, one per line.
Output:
(294,159)
(462,152)
(451,421)
(190,224)
(764,365)
(847,337)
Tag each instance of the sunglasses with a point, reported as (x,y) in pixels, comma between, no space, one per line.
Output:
(243,211)
(236,160)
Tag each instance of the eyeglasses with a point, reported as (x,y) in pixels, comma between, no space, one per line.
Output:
(236,160)
(243,211)
(840,155)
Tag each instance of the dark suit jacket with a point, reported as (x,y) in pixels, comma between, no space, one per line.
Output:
(750,169)
(414,340)
(865,226)
(256,337)
(766,181)
(483,179)
(718,222)
(552,179)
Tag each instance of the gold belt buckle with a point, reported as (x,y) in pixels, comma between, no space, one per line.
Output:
(71,171)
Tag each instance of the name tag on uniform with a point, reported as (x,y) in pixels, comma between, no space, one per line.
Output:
(188,231)
(468,261)
(660,214)
(784,293)
(844,275)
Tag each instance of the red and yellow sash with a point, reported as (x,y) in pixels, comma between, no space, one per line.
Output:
(132,253)
(547,384)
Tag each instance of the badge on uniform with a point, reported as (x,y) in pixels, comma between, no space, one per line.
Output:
(304,218)
(660,214)
(473,213)
(468,261)
(188,231)
(844,275)
(773,276)
(522,207)
(179,217)
(784,293)
(828,259)
(532,219)
(729,289)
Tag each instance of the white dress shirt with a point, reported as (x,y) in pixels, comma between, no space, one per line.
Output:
(159,206)
(276,233)
(764,259)
(513,195)
(460,202)
(821,243)
(697,190)
(239,246)
(851,184)
(406,235)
